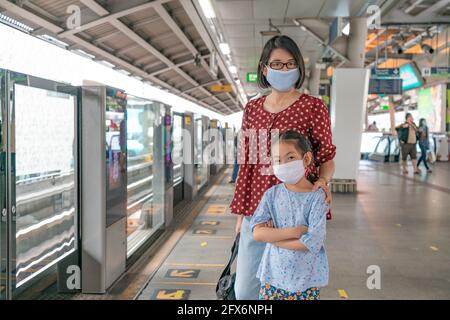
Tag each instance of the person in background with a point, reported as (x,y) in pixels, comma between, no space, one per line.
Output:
(236,164)
(373,127)
(407,134)
(424,143)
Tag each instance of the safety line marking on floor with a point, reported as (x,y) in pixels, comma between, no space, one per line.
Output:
(211,237)
(342,294)
(182,273)
(434,248)
(167,294)
(180,264)
(216,209)
(208,223)
(185,283)
(204,231)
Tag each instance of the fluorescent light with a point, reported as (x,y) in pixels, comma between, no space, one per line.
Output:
(107,64)
(225,48)
(207,9)
(233,69)
(346,29)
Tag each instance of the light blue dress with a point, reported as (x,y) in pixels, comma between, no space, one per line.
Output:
(286,269)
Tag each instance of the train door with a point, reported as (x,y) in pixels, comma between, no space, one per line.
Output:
(38,182)
(177,155)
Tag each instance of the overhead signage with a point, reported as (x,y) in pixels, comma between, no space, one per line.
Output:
(385,86)
(385,72)
(252,77)
(221,88)
(436,71)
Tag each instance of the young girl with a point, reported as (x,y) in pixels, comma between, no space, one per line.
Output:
(291,219)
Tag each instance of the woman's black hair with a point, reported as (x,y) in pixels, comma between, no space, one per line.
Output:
(280,42)
(421,122)
(408,115)
(301,142)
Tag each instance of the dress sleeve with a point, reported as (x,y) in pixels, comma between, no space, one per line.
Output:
(315,237)
(321,138)
(262,212)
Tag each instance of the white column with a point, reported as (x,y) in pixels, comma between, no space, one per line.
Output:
(357,43)
(348,100)
(314,81)
(348,103)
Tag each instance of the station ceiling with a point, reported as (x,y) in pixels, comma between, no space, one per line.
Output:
(169,43)
(155,41)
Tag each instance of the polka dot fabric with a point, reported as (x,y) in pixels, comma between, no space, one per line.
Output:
(307,115)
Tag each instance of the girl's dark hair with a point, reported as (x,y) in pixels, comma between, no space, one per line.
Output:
(408,115)
(301,142)
(280,42)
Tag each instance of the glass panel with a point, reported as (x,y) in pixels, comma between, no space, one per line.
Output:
(3,225)
(144,212)
(201,169)
(45,180)
(177,149)
(116,161)
(382,147)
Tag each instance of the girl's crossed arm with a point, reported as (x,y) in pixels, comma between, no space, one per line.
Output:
(262,227)
(314,238)
(265,232)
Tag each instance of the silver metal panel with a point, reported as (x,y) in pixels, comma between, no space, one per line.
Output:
(93,195)
(116,251)
(188,156)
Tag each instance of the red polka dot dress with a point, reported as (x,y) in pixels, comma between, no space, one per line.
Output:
(307,115)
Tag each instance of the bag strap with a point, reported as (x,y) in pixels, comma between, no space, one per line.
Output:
(234,252)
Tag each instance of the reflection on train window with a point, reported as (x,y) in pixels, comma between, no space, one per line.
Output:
(177,152)
(45,180)
(201,167)
(115,159)
(144,212)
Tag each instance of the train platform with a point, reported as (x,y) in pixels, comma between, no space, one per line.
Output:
(397,223)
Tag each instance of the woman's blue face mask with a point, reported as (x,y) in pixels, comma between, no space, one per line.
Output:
(282,80)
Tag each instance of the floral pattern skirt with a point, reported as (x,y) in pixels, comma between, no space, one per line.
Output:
(269,292)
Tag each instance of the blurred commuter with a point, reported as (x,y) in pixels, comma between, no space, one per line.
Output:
(373,127)
(281,68)
(291,220)
(408,136)
(424,144)
(236,164)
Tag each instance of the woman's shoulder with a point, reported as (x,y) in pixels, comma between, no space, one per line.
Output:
(314,103)
(254,103)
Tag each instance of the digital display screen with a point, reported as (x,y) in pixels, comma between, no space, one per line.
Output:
(116,156)
(410,77)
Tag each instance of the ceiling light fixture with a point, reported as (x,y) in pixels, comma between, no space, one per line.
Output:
(207,8)
(233,69)
(427,49)
(225,48)
(396,48)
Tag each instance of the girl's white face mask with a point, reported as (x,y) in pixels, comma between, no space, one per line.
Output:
(290,172)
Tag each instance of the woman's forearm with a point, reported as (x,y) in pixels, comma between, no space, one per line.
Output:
(327,170)
(291,244)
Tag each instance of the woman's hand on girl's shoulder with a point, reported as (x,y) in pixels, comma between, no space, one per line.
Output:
(321,184)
